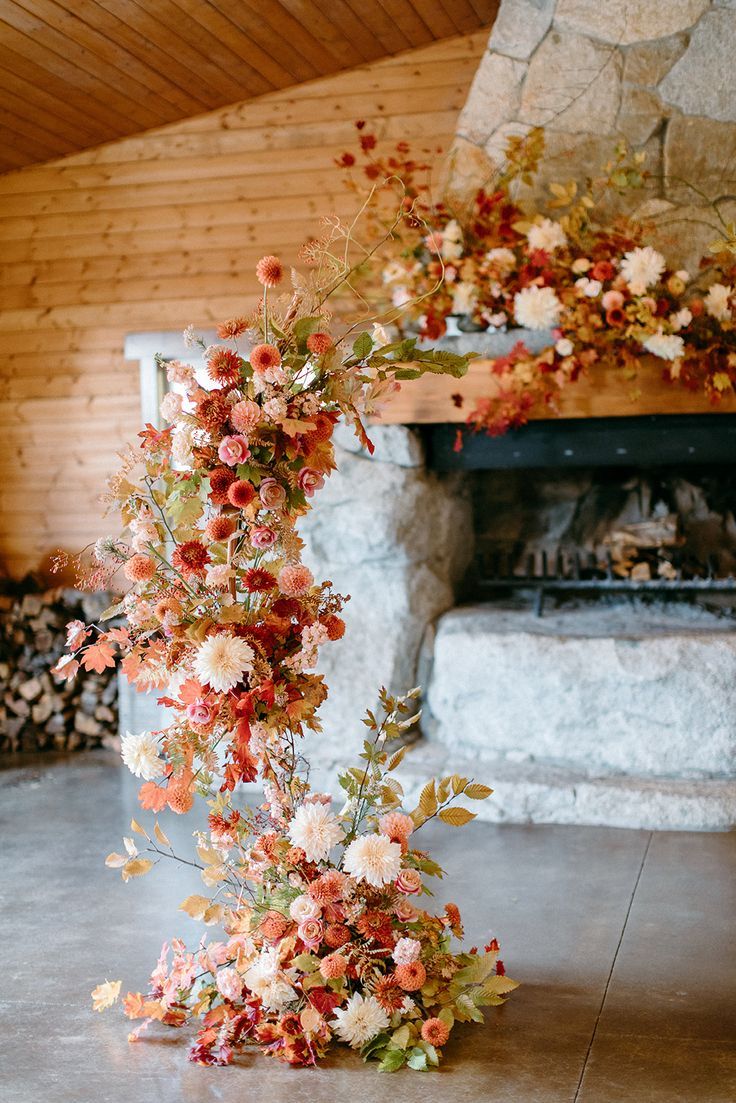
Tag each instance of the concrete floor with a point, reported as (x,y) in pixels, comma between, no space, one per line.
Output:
(623,942)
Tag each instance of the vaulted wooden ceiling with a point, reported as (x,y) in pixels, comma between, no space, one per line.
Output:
(77,73)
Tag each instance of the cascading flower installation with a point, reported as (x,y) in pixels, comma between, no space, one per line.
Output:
(323,931)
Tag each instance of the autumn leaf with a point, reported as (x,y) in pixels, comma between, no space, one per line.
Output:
(115,861)
(105,995)
(151,796)
(98,657)
(160,836)
(136,867)
(195,905)
(66,668)
(456,816)
(477,791)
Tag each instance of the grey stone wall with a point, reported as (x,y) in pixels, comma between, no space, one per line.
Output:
(659,74)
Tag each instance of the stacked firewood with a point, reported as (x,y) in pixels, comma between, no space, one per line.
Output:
(37,712)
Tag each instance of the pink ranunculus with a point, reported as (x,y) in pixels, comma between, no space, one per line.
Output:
(310,480)
(272,494)
(233,450)
(310,931)
(612,300)
(199,712)
(262,537)
(409,882)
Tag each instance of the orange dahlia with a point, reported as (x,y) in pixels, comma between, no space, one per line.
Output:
(219,528)
(140,568)
(336,935)
(190,558)
(263,357)
(241,493)
(269,271)
(213,411)
(258,580)
(233,327)
(335,626)
(221,479)
(411,977)
(223,367)
(435,1032)
(319,343)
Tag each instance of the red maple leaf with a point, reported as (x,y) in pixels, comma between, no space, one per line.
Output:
(98,656)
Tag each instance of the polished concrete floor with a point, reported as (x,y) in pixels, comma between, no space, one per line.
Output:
(623,941)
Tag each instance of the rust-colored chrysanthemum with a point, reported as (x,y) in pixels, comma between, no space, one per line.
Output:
(140,568)
(435,1032)
(258,580)
(319,343)
(223,367)
(269,271)
(335,626)
(221,479)
(411,977)
(454,918)
(241,493)
(336,935)
(219,528)
(328,887)
(388,993)
(213,411)
(190,558)
(263,357)
(232,328)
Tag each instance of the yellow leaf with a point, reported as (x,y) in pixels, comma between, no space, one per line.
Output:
(428,799)
(213,914)
(498,986)
(114,861)
(721,381)
(458,784)
(195,906)
(396,757)
(476,791)
(160,835)
(443,789)
(208,855)
(105,995)
(135,826)
(136,867)
(456,816)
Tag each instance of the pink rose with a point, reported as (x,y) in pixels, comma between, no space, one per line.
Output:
(272,494)
(310,931)
(233,450)
(262,537)
(310,481)
(199,712)
(409,882)
(405,912)
(612,300)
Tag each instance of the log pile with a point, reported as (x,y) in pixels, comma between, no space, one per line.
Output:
(38,713)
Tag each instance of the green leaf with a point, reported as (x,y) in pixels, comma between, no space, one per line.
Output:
(304,327)
(362,346)
(417,1059)
(112,610)
(393,1060)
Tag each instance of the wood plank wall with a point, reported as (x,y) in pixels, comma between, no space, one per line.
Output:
(151,233)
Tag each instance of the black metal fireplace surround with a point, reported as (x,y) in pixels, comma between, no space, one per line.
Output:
(681,443)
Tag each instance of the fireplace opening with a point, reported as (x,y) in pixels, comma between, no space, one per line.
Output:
(605,533)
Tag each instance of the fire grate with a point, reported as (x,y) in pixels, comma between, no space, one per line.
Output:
(572,573)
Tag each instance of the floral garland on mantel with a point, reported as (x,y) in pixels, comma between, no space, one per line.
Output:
(608,296)
(324,933)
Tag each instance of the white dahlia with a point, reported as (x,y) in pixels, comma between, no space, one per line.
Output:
(222,660)
(641,268)
(502,259)
(717,301)
(265,980)
(316,830)
(359,1020)
(373,859)
(140,755)
(546,235)
(668,346)
(537,308)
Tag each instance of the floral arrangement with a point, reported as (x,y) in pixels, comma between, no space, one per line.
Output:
(322,930)
(602,291)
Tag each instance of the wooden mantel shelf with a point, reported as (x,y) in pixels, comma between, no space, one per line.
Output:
(603,393)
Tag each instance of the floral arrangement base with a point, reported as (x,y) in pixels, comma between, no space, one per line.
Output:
(322,932)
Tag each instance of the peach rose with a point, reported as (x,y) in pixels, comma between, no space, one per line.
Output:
(409,882)
(272,494)
(233,450)
(310,481)
(262,537)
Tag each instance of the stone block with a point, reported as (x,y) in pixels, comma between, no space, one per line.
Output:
(628,21)
(589,689)
(640,114)
(394,444)
(648,63)
(520,26)
(701,151)
(468,168)
(703,80)
(493,98)
(573,84)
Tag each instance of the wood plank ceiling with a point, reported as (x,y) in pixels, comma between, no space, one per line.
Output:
(78,73)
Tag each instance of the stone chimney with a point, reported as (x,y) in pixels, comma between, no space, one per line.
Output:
(658,73)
